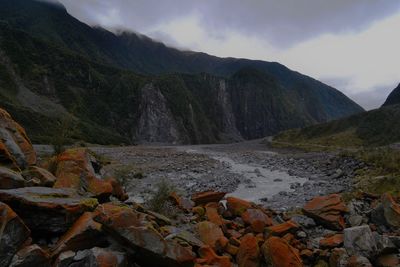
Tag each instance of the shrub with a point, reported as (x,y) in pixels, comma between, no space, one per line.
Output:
(160,198)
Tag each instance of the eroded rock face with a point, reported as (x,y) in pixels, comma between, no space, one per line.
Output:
(13,233)
(277,252)
(327,210)
(15,145)
(133,229)
(31,256)
(10,179)
(47,210)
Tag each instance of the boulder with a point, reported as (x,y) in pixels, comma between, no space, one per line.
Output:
(47,210)
(237,206)
(358,261)
(389,260)
(44,177)
(16,148)
(248,254)
(303,221)
(360,241)
(209,233)
(94,257)
(257,219)
(133,230)
(278,253)
(327,210)
(391,210)
(331,241)
(212,214)
(30,256)
(6,159)
(210,258)
(10,179)
(207,197)
(384,244)
(283,228)
(13,234)
(85,233)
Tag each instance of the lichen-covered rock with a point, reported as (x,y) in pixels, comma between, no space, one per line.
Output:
(31,256)
(360,241)
(132,228)
(183,203)
(47,210)
(249,252)
(13,233)
(327,210)
(212,214)
(6,159)
(209,233)
(85,233)
(391,210)
(331,241)
(15,143)
(283,228)
(237,206)
(10,179)
(207,197)
(278,253)
(257,219)
(358,261)
(44,177)
(210,258)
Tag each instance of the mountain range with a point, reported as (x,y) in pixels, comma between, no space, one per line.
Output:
(57,73)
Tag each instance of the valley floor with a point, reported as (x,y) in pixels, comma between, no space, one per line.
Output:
(249,170)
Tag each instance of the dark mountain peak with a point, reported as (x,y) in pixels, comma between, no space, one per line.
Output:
(394,97)
(52,4)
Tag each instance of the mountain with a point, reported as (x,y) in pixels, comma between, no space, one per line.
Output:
(394,97)
(125,87)
(373,128)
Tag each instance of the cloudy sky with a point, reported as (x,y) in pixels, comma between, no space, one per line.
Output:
(349,44)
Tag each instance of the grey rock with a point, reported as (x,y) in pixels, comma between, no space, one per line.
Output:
(384,244)
(304,221)
(360,241)
(355,220)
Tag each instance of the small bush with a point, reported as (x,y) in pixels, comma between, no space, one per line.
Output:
(160,198)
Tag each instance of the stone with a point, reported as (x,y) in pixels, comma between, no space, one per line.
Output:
(30,256)
(338,257)
(384,244)
(78,169)
(212,214)
(248,254)
(391,210)
(283,228)
(45,177)
(94,257)
(207,197)
(389,260)
(355,220)
(13,234)
(332,241)
(47,210)
(85,233)
(327,210)
(360,241)
(237,206)
(10,179)
(183,203)
(358,261)
(277,252)
(209,233)
(132,229)
(210,258)
(303,221)
(257,219)
(6,159)
(15,142)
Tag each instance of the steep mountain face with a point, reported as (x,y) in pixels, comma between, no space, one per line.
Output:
(123,88)
(394,97)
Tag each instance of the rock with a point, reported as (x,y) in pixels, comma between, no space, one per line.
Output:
(358,261)
(210,258)
(183,203)
(327,210)
(209,233)
(84,233)
(6,159)
(10,179)
(248,254)
(384,244)
(78,169)
(391,210)
(355,220)
(94,257)
(332,241)
(16,146)
(45,177)
(237,206)
(257,219)
(30,256)
(212,214)
(360,241)
(132,229)
(390,260)
(338,257)
(207,197)
(303,221)
(283,228)
(277,252)
(13,233)
(47,210)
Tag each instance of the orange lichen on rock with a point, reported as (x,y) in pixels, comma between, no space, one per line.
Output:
(278,253)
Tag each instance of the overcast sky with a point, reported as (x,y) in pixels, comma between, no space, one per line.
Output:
(349,44)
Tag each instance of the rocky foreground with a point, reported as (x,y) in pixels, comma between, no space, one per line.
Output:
(67,212)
